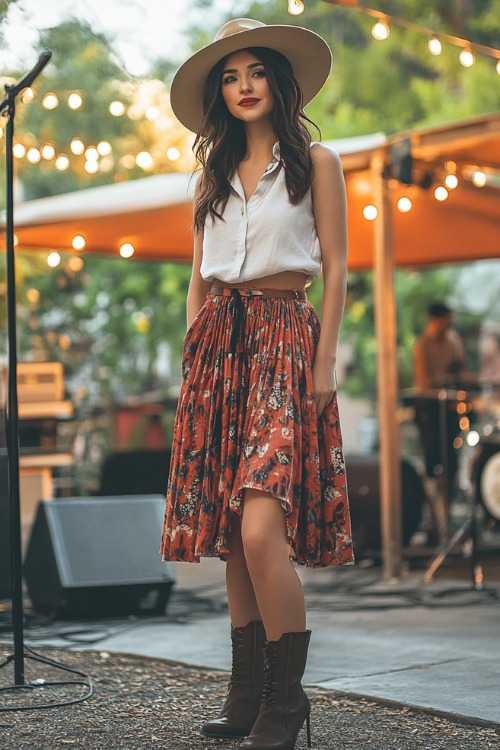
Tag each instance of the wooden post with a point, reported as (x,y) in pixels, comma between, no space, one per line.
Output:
(387,375)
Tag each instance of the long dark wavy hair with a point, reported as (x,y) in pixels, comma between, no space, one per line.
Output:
(221,143)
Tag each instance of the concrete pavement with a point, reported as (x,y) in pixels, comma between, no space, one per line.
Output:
(432,646)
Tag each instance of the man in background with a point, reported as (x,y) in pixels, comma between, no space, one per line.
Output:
(439,362)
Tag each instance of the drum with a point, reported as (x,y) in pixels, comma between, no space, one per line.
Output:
(486,476)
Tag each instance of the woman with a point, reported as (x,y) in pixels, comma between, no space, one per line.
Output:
(257,473)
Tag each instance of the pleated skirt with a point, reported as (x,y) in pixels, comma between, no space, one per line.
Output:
(246,417)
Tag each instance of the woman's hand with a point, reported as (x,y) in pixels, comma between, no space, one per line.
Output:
(324,382)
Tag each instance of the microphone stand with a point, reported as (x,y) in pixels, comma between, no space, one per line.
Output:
(8,110)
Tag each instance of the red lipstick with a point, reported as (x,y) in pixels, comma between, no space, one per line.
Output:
(248,102)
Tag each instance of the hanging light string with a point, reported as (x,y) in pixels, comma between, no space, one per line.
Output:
(381,30)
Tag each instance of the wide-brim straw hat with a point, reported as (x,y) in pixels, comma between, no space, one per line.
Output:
(308,53)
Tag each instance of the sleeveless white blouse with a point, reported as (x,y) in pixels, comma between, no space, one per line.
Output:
(261,236)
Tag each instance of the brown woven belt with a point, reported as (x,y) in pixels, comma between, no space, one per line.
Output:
(285,293)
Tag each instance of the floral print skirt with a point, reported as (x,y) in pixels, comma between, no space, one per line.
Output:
(246,417)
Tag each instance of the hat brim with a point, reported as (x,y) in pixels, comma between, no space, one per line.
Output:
(307,52)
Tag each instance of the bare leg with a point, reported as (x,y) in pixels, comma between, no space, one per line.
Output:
(277,587)
(243,607)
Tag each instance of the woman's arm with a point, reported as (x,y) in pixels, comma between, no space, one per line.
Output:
(198,288)
(330,213)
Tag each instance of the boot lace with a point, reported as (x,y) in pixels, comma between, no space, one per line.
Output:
(238,659)
(271,685)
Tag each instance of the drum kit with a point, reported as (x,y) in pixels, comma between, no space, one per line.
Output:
(477,443)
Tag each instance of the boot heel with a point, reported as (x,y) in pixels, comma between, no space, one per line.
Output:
(308,729)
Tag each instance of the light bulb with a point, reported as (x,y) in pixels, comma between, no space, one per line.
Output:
(479,178)
(91,167)
(53,259)
(27,95)
(78,242)
(50,101)
(104,148)
(440,193)
(19,150)
(295,7)
(380,30)
(127,250)
(77,146)
(173,153)
(435,46)
(451,181)
(144,160)
(152,113)
(33,155)
(48,151)
(404,205)
(75,101)
(117,108)
(370,212)
(91,153)
(466,57)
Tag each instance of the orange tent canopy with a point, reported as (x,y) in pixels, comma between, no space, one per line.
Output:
(154,214)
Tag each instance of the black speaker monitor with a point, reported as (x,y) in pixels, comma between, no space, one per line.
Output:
(95,556)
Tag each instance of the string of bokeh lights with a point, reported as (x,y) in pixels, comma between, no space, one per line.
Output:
(381,30)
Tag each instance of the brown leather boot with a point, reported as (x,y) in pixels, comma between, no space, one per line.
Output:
(245,687)
(284,705)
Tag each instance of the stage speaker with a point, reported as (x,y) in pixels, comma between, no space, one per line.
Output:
(364,499)
(5,562)
(98,556)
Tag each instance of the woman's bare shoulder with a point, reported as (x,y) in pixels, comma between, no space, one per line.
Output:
(324,155)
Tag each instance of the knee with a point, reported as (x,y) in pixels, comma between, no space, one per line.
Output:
(262,550)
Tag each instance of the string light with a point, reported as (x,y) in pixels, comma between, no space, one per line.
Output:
(127,250)
(50,100)
(468,48)
(104,148)
(435,46)
(144,160)
(117,108)
(466,57)
(451,181)
(173,153)
(440,193)
(33,155)
(91,166)
(48,151)
(381,30)
(75,101)
(479,178)
(370,212)
(295,7)
(78,242)
(62,162)
(152,113)
(77,146)
(18,150)
(53,259)
(404,205)
(91,153)
(27,95)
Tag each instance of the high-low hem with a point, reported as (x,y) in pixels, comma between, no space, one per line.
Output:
(246,417)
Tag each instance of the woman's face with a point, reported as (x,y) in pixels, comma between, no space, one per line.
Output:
(245,87)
